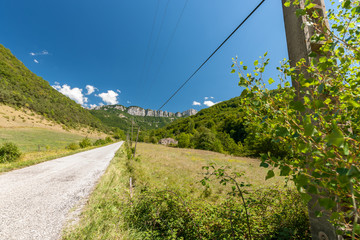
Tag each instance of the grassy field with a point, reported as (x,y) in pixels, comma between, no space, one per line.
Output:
(169,202)
(37,145)
(33,139)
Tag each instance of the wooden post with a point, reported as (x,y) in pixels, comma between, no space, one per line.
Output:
(137,137)
(132,132)
(298,37)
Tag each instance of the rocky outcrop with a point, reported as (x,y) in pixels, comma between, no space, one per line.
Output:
(189,112)
(138,111)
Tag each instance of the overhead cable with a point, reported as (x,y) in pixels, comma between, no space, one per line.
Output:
(212,54)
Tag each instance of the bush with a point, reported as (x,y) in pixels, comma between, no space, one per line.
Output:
(73,146)
(274,214)
(99,142)
(119,134)
(108,140)
(9,152)
(85,143)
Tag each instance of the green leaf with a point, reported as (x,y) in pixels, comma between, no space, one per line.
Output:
(264,165)
(285,170)
(301,180)
(271,81)
(327,203)
(309,130)
(354,104)
(346,149)
(297,105)
(306,197)
(256,63)
(269,174)
(287,4)
(232,71)
(353,172)
(335,138)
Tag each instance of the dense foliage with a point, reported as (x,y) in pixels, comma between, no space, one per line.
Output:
(318,122)
(221,128)
(9,152)
(20,87)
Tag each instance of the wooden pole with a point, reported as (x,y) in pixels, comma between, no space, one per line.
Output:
(298,36)
(132,132)
(137,137)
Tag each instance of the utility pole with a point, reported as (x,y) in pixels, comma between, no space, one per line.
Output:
(298,37)
(137,138)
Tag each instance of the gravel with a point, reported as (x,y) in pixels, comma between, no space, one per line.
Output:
(35,201)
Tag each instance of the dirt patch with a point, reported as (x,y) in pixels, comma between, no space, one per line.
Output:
(25,118)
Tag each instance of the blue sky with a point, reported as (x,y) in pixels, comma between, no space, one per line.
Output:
(104,45)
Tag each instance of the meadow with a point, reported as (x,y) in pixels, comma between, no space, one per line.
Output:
(37,145)
(169,199)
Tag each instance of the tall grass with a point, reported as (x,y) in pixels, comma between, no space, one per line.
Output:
(169,202)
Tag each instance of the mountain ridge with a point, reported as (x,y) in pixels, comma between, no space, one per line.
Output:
(139,111)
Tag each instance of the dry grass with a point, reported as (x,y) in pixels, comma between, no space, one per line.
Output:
(11,118)
(165,167)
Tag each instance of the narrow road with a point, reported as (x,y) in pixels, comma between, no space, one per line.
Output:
(35,201)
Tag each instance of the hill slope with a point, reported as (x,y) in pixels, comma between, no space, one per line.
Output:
(19,87)
(221,128)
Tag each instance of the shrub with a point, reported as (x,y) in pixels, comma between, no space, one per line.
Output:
(99,142)
(73,146)
(85,143)
(9,152)
(108,140)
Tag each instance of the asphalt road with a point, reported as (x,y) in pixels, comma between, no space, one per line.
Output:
(35,201)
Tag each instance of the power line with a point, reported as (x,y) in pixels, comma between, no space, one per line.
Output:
(148,46)
(212,54)
(168,45)
(157,39)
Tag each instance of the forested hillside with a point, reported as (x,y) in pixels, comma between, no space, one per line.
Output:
(19,87)
(221,128)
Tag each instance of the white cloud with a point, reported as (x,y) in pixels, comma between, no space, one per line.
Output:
(90,89)
(73,93)
(212,97)
(118,90)
(209,103)
(206,98)
(110,97)
(92,106)
(43,52)
(195,103)
(36,61)
(128,102)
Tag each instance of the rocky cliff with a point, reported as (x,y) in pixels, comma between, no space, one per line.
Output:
(138,111)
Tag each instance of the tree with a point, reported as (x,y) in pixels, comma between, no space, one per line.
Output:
(322,130)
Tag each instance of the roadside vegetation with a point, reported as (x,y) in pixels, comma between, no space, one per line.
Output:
(173,197)
(25,147)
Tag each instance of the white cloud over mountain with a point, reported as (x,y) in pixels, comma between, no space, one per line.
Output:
(195,103)
(209,103)
(110,97)
(90,89)
(73,93)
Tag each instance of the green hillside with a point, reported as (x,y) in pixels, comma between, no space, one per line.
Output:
(113,117)
(223,127)
(19,87)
